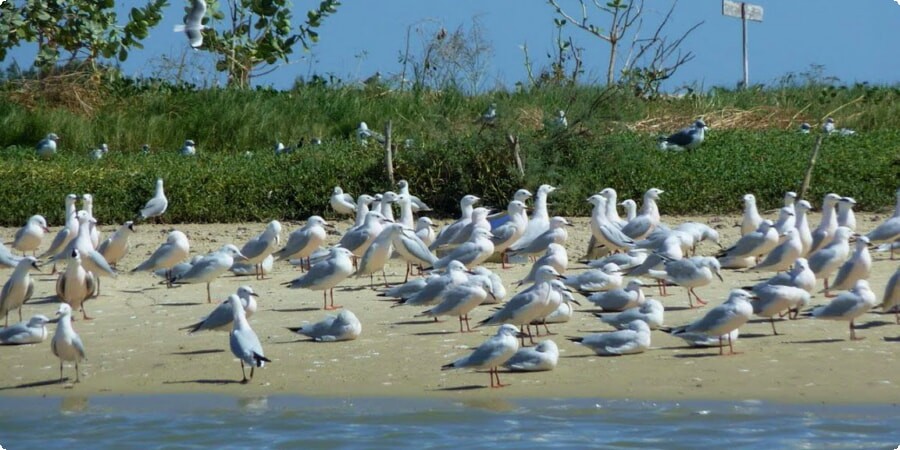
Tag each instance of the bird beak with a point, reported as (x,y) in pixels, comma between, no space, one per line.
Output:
(242,257)
(575,302)
(46,230)
(56,320)
(131,227)
(35,265)
(561,277)
(720,276)
(254,294)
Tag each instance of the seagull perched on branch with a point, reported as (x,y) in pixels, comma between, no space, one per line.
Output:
(193,23)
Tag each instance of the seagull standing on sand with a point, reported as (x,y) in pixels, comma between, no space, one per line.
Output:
(691,273)
(417,204)
(193,25)
(157,205)
(824,233)
(87,203)
(472,252)
(651,312)
(619,299)
(460,299)
(343,327)
(751,220)
(29,237)
(801,223)
(772,299)
(800,276)
(848,306)
(648,217)
(18,289)
(75,285)
(857,267)
(243,341)
(555,234)
(173,251)
(491,354)
(47,146)
(723,319)
(449,232)
(892,295)
(66,344)
(304,241)
(342,203)
(66,233)
(825,261)
(424,230)
(540,218)
(782,257)
(845,216)
(210,267)
(260,247)
(116,246)
(889,230)
(221,318)
(326,274)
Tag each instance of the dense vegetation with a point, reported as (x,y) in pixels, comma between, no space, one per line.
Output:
(753,146)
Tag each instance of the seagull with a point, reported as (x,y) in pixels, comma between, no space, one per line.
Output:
(472,252)
(362,208)
(29,237)
(772,299)
(342,203)
(358,239)
(624,261)
(7,259)
(210,267)
(32,332)
(417,204)
(619,299)
(782,257)
(759,242)
(166,256)
(326,274)
(801,223)
(304,241)
(342,327)
(605,278)
(116,246)
(828,126)
(542,357)
(221,317)
(892,295)
(18,289)
(449,232)
(508,233)
(612,215)
(560,122)
(413,249)
(424,230)
(528,305)
(478,220)
(189,148)
(489,116)
(825,261)
(634,338)
(363,133)
(849,305)
(647,218)
(651,312)
(47,146)
(555,234)
(193,25)
(804,128)
(787,214)
(243,341)
(378,253)
(555,256)
(705,340)
(540,219)
(889,230)
(857,267)
(491,354)
(691,273)
(460,299)
(435,286)
(687,138)
(156,206)
(824,233)
(67,233)
(100,152)
(66,344)
(845,216)
(603,230)
(723,319)
(260,247)
(75,285)
(91,259)
(87,202)
(410,288)
(500,218)
(751,220)
(800,276)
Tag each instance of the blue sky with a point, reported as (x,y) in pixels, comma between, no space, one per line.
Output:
(850,39)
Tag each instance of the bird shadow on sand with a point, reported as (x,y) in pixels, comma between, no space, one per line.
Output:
(892,339)
(679,308)
(814,341)
(204,381)
(583,355)
(434,333)
(296,309)
(698,355)
(469,387)
(44,301)
(36,384)
(416,322)
(199,352)
(179,304)
(872,324)
(140,291)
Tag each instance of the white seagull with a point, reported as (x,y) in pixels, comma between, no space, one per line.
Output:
(193,23)
(66,344)
(243,341)
(491,354)
(343,327)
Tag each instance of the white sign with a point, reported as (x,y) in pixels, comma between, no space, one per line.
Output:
(751,12)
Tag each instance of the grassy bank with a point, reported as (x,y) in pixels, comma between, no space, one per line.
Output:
(610,142)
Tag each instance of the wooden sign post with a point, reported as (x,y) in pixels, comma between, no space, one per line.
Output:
(744,11)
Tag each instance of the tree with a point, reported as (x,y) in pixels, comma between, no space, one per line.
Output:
(86,30)
(258,34)
(628,17)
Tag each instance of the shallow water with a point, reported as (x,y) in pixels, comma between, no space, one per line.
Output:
(206,421)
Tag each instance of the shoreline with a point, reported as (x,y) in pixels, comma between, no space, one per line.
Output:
(134,346)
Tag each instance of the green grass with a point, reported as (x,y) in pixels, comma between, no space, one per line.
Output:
(611,143)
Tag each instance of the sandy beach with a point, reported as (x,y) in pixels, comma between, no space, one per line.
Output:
(134,345)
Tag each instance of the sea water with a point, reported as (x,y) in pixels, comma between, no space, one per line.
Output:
(222,422)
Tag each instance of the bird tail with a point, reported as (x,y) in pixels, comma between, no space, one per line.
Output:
(259,359)
(192,328)
(575,339)
(448,366)
(295,329)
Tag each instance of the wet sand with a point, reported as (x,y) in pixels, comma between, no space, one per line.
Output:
(134,345)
